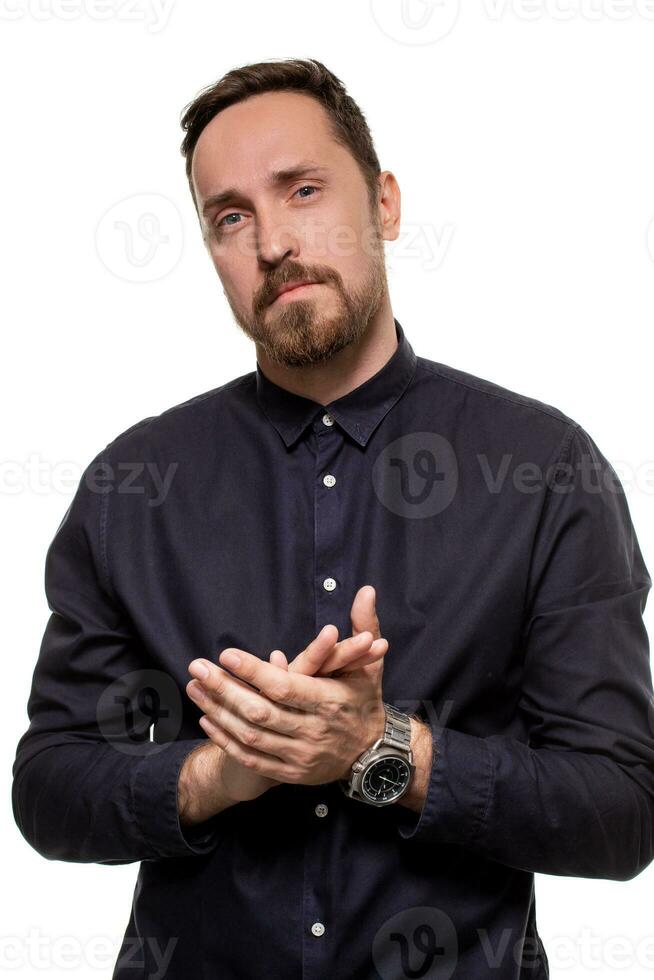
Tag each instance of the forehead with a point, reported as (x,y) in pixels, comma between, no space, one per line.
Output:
(263,133)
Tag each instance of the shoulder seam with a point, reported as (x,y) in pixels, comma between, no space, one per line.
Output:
(494,394)
(242,379)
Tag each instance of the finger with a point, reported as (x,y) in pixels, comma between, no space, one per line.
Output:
(363,613)
(350,650)
(377,651)
(340,653)
(310,660)
(264,765)
(252,736)
(243,700)
(273,682)
(278,657)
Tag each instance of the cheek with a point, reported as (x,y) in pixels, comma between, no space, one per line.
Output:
(235,277)
(351,246)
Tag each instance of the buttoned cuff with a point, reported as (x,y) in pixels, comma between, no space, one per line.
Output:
(458,791)
(155,806)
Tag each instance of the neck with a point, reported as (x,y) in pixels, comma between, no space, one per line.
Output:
(345,370)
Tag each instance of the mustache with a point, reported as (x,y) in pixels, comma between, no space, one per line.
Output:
(291,273)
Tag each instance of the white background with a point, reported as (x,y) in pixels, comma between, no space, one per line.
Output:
(521,137)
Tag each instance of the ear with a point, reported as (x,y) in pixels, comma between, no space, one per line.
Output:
(389,206)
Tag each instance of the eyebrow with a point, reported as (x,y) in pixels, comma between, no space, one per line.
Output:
(275,178)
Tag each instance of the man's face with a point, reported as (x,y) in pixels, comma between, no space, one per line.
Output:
(276,228)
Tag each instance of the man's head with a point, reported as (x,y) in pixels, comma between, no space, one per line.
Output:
(287,186)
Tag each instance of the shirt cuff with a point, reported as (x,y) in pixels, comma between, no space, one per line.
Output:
(458,791)
(155,806)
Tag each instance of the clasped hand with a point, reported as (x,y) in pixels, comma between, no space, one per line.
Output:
(303,722)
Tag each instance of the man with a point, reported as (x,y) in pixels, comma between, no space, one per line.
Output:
(374,806)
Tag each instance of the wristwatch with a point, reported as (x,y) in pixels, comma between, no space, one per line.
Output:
(382,774)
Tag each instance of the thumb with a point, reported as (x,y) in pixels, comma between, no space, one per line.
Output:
(364,613)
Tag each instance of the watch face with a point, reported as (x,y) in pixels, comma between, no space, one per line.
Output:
(386,779)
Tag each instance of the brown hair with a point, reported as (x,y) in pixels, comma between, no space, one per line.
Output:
(347,123)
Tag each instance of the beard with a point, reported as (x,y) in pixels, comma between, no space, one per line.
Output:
(298,332)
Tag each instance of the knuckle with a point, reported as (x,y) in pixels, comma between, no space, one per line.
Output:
(216,684)
(322,731)
(280,691)
(250,736)
(257,714)
(302,757)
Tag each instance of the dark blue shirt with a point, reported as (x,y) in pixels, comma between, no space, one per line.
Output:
(510,586)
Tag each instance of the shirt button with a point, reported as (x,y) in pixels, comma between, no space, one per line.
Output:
(321,810)
(327,419)
(329,584)
(329,480)
(317,928)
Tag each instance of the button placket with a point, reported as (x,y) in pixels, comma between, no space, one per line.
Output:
(332,602)
(328,524)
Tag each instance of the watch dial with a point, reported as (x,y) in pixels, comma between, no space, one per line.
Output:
(386,779)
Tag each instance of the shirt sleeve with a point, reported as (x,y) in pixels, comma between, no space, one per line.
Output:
(577,798)
(84,789)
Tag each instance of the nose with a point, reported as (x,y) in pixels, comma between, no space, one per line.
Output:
(275,241)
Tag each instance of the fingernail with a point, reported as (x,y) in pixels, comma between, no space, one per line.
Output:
(230,659)
(199,668)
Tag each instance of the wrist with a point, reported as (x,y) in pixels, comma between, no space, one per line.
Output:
(200,795)
(375,725)
(421,749)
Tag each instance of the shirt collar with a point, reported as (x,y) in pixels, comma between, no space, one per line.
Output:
(359,412)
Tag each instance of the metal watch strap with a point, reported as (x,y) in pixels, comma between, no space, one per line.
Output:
(397,730)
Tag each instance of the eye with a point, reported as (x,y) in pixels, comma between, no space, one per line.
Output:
(235,214)
(307,187)
(232,214)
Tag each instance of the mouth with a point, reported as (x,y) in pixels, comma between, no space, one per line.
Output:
(291,290)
